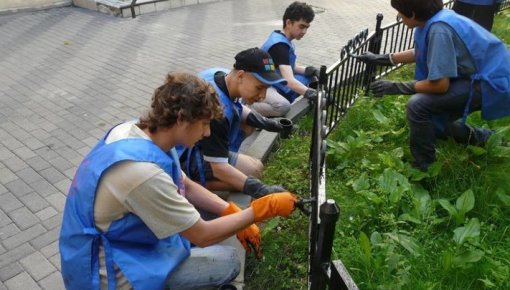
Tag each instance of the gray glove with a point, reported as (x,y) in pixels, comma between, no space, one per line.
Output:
(380,88)
(256,189)
(310,94)
(311,71)
(379,59)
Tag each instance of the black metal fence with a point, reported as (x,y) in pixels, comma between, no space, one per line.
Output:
(340,86)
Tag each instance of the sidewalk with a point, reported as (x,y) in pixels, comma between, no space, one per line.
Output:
(69,74)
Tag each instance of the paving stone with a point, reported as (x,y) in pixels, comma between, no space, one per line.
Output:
(8,230)
(34,202)
(15,254)
(38,163)
(6,175)
(29,175)
(5,153)
(9,202)
(63,185)
(46,213)
(43,188)
(23,237)
(23,218)
(52,175)
(57,200)
(53,221)
(10,271)
(4,219)
(18,187)
(22,281)
(46,238)
(12,143)
(37,266)
(14,163)
(52,282)
(50,250)
(24,152)
(55,260)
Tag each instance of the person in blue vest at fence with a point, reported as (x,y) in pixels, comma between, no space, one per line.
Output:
(131,214)
(460,68)
(480,11)
(296,21)
(215,161)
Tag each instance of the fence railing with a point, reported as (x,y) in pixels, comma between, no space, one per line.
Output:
(340,86)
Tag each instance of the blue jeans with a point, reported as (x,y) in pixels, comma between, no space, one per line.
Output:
(422,107)
(205,267)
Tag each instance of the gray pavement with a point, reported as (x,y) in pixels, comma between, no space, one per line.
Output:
(69,74)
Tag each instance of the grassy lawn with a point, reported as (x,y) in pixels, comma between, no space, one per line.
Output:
(399,228)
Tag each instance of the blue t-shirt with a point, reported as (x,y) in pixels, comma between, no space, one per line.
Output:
(447,56)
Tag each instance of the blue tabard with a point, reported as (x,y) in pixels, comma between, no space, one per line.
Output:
(235,134)
(277,37)
(490,56)
(145,260)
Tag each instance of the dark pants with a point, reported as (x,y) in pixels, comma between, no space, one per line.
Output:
(481,14)
(420,111)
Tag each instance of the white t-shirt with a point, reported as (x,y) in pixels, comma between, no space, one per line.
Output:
(141,188)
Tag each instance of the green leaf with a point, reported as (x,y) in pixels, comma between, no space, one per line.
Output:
(380,117)
(477,150)
(467,257)
(361,183)
(409,243)
(449,207)
(409,218)
(376,238)
(365,246)
(505,198)
(466,201)
(471,230)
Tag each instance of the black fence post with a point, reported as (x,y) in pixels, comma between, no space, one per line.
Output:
(374,46)
(329,213)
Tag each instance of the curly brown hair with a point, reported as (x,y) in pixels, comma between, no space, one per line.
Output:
(183,97)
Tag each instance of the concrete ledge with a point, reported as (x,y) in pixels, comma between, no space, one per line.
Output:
(261,144)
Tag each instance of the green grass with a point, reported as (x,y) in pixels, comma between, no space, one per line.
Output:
(399,228)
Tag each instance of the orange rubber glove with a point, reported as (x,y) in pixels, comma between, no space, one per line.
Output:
(276,204)
(249,236)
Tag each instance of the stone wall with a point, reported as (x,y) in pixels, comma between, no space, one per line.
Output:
(25,5)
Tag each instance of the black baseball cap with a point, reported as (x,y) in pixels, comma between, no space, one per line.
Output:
(260,64)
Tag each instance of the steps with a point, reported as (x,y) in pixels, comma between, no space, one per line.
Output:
(126,8)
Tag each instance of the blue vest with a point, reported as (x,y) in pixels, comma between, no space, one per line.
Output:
(235,134)
(228,108)
(145,260)
(490,55)
(274,38)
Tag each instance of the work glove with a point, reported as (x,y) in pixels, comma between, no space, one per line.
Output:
(371,58)
(256,189)
(276,204)
(249,236)
(256,120)
(310,94)
(311,71)
(381,87)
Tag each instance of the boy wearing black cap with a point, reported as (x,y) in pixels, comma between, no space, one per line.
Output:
(214,161)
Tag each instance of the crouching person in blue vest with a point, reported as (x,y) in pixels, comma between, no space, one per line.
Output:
(131,214)
(279,97)
(215,161)
(460,68)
